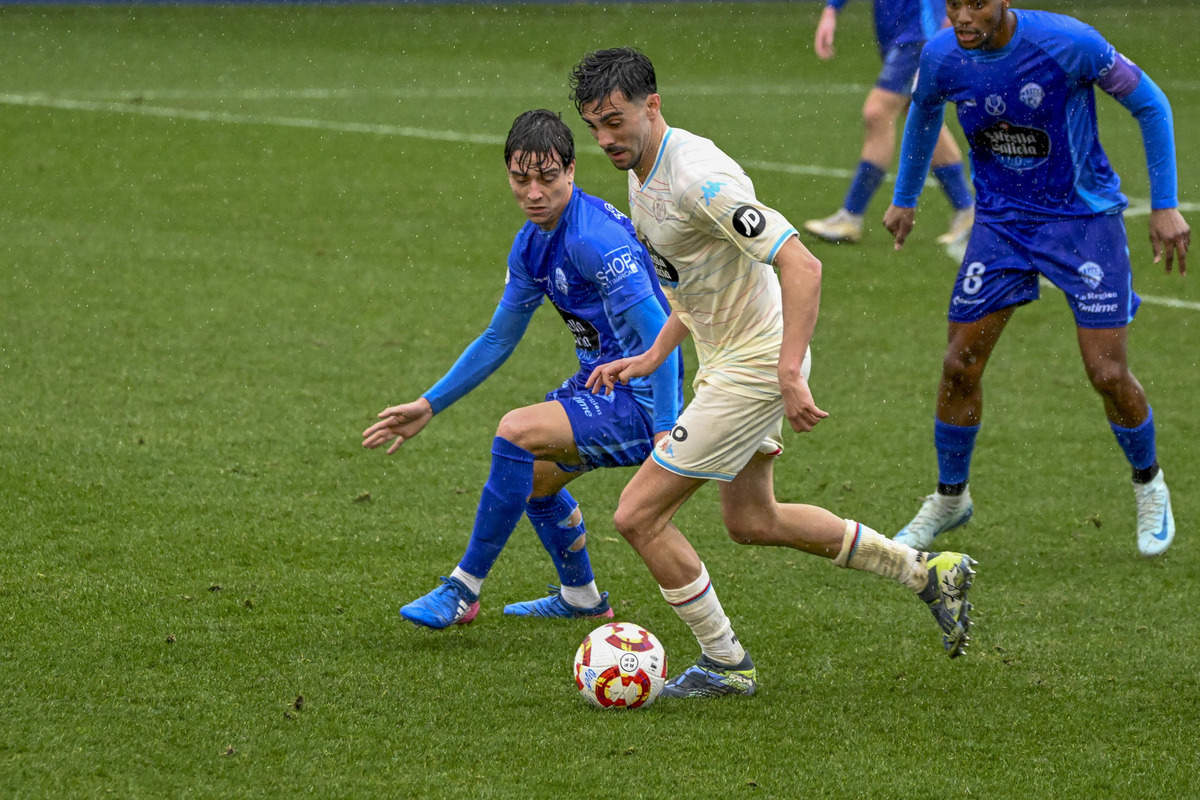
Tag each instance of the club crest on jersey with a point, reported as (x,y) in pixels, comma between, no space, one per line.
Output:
(560,281)
(749,221)
(1091,273)
(660,210)
(1015,146)
(1032,94)
(994,105)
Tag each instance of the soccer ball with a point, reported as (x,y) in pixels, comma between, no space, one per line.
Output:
(620,665)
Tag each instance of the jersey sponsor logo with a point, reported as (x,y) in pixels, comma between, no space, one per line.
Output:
(560,281)
(1091,273)
(994,105)
(585,333)
(679,433)
(618,264)
(711,190)
(1032,95)
(664,269)
(1098,308)
(749,221)
(1015,146)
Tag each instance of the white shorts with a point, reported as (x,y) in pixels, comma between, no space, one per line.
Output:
(719,432)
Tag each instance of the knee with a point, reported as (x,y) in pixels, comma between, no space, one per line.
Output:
(1109,378)
(516,428)
(961,371)
(629,523)
(877,116)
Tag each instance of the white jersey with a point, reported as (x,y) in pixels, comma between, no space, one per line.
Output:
(712,243)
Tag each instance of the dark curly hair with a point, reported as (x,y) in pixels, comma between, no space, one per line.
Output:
(603,72)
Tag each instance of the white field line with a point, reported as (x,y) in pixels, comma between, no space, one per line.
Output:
(139,108)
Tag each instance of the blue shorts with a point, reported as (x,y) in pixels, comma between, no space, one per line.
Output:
(610,430)
(899,72)
(1087,258)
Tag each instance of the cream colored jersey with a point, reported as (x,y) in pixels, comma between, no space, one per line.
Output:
(712,243)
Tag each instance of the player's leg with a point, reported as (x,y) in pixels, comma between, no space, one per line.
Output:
(753,516)
(524,435)
(880,112)
(959,413)
(1089,260)
(947,168)
(1132,422)
(643,517)
(612,430)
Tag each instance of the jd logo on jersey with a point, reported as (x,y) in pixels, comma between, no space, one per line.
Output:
(749,221)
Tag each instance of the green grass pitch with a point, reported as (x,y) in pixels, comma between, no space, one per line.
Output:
(230,235)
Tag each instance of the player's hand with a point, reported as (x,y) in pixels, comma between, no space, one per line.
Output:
(798,405)
(400,423)
(823,41)
(1170,234)
(607,376)
(899,222)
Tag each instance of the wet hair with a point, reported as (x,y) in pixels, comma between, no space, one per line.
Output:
(603,72)
(538,135)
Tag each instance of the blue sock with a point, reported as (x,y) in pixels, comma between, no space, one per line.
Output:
(866,182)
(954,444)
(500,506)
(574,567)
(1138,443)
(953,179)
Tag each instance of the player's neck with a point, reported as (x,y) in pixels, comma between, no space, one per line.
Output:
(1005,33)
(658,130)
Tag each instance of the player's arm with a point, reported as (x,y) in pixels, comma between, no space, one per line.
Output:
(1169,232)
(827,29)
(647,319)
(479,360)
(921,130)
(605,376)
(800,282)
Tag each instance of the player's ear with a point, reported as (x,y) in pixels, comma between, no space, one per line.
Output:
(569,171)
(653,104)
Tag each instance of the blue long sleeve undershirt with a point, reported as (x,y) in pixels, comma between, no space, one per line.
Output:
(647,318)
(481,358)
(921,131)
(1152,110)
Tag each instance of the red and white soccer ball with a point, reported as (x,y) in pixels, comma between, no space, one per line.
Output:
(620,665)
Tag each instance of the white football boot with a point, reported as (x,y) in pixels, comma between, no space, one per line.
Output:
(1156,523)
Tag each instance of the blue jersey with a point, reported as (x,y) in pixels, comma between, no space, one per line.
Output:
(902,21)
(1029,113)
(592,268)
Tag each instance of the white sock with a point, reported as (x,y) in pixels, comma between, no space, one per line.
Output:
(582,596)
(468,580)
(698,606)
(870,551)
